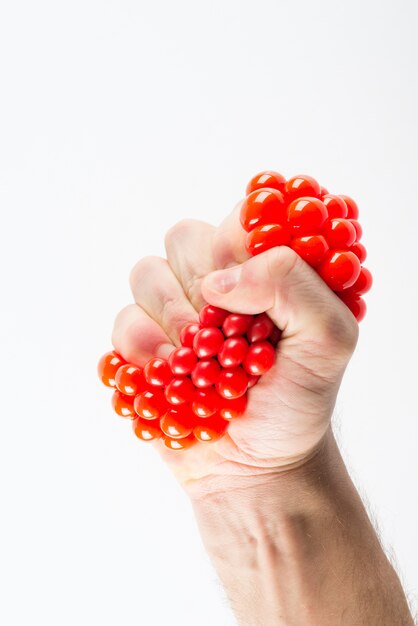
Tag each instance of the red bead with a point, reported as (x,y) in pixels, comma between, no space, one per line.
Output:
(206,373)
(352,208)
(233,352)
(359,250)
(358,229)
(177,423)
(356,304)
(232,383)
(212,316)
(179,391)
(339,233)
(260,358)
(362,285)
(146,430)
(267,236)
(158,372)
(207,342)
(340,269)
(231,409)
(261,328)
(302,185)
(182,361)
(275,336)
(336,206)
(206,402)
(307,215)
(150,405)
(187,334)
(236,324)
(179,444)
(123,405)
(108,366)
(210,429)
(130,380)
(311,248)
(272,180)
(252,381)
(265,206)
(324,191)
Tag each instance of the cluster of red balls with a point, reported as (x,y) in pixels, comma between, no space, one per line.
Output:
(192,395)
(322,228)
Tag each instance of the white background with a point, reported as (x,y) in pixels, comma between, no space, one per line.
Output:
(117,119)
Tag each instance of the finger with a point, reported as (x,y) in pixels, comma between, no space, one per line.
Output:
(138,338)
(229,241)
(296,298)
(188,246)
(157,291)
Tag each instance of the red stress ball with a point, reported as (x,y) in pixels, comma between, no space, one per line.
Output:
(232,383)
(340,269)
(306,216)
(260,358)
(269,180)
(207,342)
(182,361)
(302,185)
(146,430)
(212,316)
(123,405)
(130,380)
(233,352)
(150,405)
(264,206)
(158,372)
(210,429)
(108,366)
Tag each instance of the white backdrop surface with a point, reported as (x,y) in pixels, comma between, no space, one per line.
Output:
(117,119)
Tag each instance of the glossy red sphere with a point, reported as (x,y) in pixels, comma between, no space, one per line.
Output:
(302,185)
(231,409)
(265,206)
(177,423)
(179,391)
(306,216)
(356,304)
(130,380)
(362,285)
(188,332)
(179,444)
(210,429)
(352,208)
(267,236)
(270,179)
(232,383)
(236,324)
(358,229)
(108,366)
(336,206)
(206,373)
(158,372)
(146,430)
(150,405)
(275,336)
(123,405)
(311,248)
(260,358)
(339,233)
(212,316)
(233,352)
(340,269)
(205,402)
(359,250)
(182,361)
(260,328)
(207,342)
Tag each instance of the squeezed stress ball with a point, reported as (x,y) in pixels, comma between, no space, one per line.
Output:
(204,384)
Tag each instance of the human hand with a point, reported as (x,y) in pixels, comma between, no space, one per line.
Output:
(289,411)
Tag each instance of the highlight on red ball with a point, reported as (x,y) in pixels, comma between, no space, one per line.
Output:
(204,384)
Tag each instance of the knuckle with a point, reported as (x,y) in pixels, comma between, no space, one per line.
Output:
(179,231)
(144,266)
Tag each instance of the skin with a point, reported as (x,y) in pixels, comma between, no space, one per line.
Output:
(279,516)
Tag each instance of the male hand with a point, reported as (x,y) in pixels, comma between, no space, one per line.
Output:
(289,410)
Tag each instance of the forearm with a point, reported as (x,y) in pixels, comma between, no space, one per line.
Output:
(297,548)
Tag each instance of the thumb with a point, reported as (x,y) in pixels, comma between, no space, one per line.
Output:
(279,282)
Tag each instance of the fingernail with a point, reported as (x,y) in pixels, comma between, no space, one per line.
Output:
(224,281)
(164,350)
